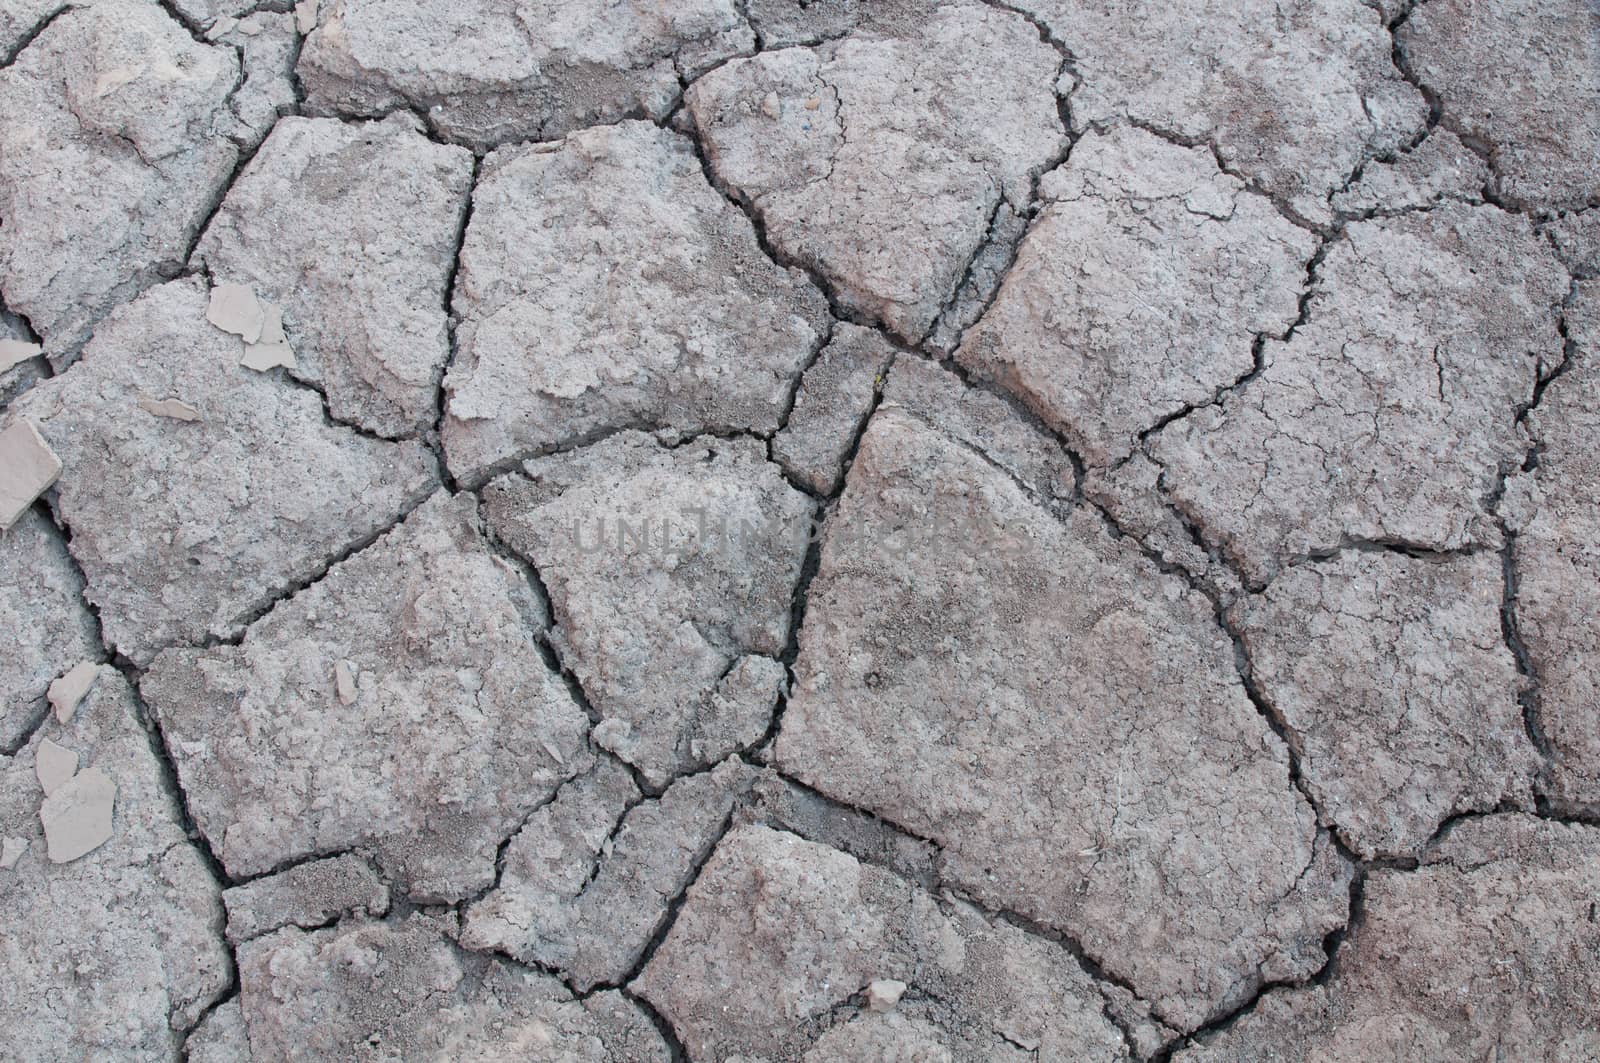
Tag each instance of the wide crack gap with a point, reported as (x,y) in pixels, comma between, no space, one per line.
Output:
(434,437)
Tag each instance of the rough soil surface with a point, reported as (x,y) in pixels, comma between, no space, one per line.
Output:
(707,334)
(832,531)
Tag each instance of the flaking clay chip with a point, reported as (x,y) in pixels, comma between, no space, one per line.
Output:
(27,469)
(344,682)
(11,850)
(234,308)
(884,993)
(305,16)
(54,765)
(273,351)
(15,352)
(172,409)
(67,691)
(77,817)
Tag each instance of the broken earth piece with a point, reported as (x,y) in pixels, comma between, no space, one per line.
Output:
(67,692)
(172,409)
(273,351)
(54,765)
(14,352)
(28,468)
(77,815)
(234,308)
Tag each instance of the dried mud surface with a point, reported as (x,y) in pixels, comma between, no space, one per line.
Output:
(799,530)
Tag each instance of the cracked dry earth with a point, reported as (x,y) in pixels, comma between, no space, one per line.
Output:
(918,531)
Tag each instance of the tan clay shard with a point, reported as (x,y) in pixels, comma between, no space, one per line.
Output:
(54,765)
(174,409)
(27,469)
(67,691)
(77,817)
(234,308)
(14,352)
(11,850)
(273,350)
(344,681)
(305,16)
(885,993)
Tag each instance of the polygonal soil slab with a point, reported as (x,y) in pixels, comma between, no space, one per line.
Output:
(110,155)
(401,991)
(1138,291)
(350,231)
(109,955)
(1063,720)
(1491,949)
(782,941)
(1292,95)
(671,573)
(44,627)
(1518,76)
(184,528)
(1555,510)
(589,878)
(492,71)
(831,406)
(1391,413)
(1393,677)
(879,160)
(604,284)
(399,704)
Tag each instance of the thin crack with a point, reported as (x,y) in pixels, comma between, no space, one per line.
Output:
(32,35)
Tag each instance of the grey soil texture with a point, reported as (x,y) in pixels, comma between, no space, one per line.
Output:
(799,531)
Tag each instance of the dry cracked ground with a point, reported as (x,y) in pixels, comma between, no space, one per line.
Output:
(918,531)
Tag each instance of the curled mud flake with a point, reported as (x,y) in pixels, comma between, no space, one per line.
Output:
(172,409)
(273,350)
(11,850)
(344,682)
